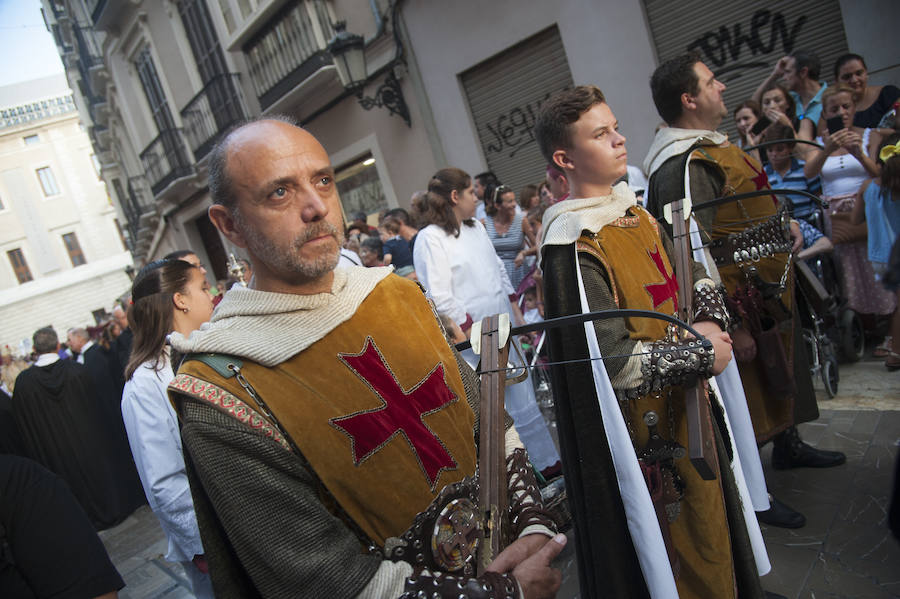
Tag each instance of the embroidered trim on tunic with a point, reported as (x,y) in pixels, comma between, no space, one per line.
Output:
(228,403)
(626,221)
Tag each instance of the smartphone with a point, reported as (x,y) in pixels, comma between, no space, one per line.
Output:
(834,124)
(760,125)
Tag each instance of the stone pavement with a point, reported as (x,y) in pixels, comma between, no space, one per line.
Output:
(845,549)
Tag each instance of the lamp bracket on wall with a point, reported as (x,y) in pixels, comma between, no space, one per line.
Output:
(388,95)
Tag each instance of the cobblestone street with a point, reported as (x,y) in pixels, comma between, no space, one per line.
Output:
(845,549)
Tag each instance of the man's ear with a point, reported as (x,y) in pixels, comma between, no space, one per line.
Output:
(688,102)
(222,218)
(562,160)
(803,73)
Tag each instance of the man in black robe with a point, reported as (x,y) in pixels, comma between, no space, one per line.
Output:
(68,430)
(99,363)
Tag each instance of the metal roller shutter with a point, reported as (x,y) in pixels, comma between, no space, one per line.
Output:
(505,93)
(741,41)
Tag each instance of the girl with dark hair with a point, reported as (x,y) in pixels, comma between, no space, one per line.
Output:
(878,204)
(456,263)
(872,101)
(167,296)
(779,107)
(745,116)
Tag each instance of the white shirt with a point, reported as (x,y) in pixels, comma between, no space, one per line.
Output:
(349,258)
(156,446)
(46,359)
(463,275)
(480,212)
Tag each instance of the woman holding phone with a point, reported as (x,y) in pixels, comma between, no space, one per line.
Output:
(844,164)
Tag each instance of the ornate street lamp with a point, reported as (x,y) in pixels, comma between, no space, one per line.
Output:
(349,56)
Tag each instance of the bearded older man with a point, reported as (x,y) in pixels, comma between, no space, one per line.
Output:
(320,439)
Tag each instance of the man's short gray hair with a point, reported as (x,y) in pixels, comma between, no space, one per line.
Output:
(45,340)
(220,186)
(79,332)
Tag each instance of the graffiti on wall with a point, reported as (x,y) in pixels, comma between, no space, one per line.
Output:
(512,130)
(726,48)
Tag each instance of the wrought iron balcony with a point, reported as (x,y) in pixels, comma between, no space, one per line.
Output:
(165,159)
(138,205)
(212,111)
(88,49)
(288,49)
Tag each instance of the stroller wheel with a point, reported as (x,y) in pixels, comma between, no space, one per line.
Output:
(853,337)
(830,376)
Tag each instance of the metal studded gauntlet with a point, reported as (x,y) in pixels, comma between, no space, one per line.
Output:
(526,507)
(664,363)
(709,304)
(489,585)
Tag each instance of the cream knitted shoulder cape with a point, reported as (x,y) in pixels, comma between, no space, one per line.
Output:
(270,328)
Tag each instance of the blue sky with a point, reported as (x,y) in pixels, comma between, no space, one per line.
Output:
(26,46)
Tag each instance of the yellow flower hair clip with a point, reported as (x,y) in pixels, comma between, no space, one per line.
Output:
(888,151)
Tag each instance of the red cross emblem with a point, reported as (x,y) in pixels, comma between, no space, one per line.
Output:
(668,289)
(761,181)
(401,413)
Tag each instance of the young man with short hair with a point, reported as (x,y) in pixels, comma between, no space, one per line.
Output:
(600,251)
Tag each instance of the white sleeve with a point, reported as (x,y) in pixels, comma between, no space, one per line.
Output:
(156,446)
(505,283)
(435,274)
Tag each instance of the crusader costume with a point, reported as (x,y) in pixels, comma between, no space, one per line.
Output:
(776,382)
(317,439)
(688,537)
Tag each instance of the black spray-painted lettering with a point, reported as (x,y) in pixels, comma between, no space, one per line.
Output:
(513,129)
(727,44)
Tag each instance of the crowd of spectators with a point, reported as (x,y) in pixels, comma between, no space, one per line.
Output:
(473,243)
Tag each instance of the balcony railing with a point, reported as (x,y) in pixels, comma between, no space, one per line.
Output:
(290,48)
(88,49)
(137,204)
(211,112)
(165,159)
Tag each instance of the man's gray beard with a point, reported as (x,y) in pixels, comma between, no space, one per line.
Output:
(287,261)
